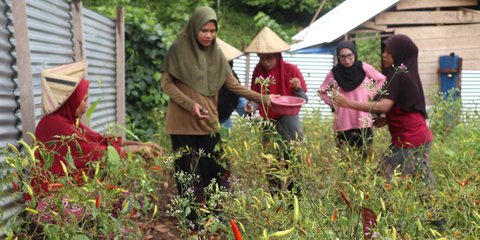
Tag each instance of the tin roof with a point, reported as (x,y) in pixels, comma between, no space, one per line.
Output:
(340,20)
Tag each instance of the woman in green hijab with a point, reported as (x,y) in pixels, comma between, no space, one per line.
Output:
(193,72)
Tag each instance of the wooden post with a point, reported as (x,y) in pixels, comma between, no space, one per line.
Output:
(78,37)
(120,65)
(24,68)
(79,52)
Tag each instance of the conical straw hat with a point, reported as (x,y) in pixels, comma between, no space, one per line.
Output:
(228,50)
(58,84)
(267,41)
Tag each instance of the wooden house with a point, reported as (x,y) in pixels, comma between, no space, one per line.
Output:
(438,27)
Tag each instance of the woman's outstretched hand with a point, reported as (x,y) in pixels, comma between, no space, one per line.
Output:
(147,150)
(154,148)
(151,150)
(249,109)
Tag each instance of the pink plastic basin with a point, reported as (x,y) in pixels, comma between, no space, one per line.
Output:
(287,105)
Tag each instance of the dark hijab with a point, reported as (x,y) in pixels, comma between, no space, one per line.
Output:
(405,88)
(348,78)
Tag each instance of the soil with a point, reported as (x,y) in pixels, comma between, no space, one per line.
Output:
(166,226)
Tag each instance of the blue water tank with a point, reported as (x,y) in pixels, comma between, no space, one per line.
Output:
(450,68)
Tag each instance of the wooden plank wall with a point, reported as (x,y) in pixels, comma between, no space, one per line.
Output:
(438,27)
(418,4)
(428,17)
(435,41)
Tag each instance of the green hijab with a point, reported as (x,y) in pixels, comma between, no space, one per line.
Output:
(203,69)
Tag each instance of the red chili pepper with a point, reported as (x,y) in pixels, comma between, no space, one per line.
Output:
(78,177)
(99,183)
(110,187)
(344,197)
(334,217)
(460,183)
(156,167)
(15,186)
(97,201)
(132,212)
(236,232)
(52,186)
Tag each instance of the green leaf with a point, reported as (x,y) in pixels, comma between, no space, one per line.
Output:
(47,159)
(113,157)
(69,158)
(157,76)
(188,210)
(80,237)
(128,132)
(91,109)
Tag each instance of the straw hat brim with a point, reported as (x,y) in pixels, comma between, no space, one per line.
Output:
(267,41)
(59,83)
(228,50)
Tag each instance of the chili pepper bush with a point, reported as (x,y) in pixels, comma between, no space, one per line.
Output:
(316,192)
(117,200)
(320,192)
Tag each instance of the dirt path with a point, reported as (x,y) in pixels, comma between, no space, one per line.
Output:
(166,226)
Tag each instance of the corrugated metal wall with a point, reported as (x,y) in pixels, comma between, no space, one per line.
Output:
(99,34)
(8,132)
(51,44)
(50,36)
(8,120)
(314,68)
(470,92)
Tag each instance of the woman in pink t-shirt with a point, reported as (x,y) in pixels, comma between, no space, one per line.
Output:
(356,81)
(404,105)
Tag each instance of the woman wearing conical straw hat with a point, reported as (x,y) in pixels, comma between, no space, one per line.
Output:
(286,80)
(60,133)
(193,72)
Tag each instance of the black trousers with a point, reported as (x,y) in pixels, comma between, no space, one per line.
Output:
(198,156)
(359,138)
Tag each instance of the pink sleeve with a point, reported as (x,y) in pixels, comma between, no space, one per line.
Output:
(324,87)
